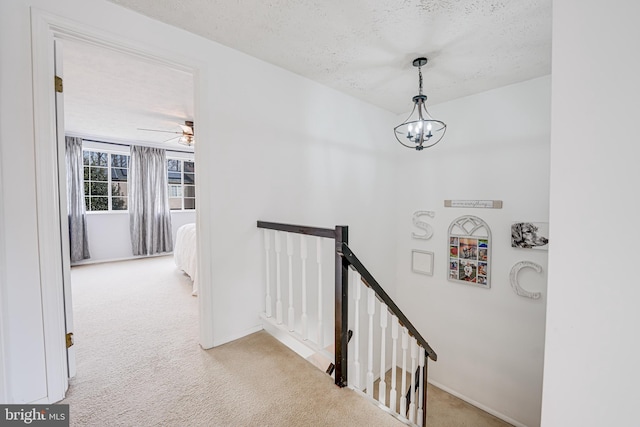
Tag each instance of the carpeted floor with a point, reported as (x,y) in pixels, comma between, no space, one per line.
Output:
(139,364)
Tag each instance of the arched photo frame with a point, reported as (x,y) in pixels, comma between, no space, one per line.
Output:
(469,252)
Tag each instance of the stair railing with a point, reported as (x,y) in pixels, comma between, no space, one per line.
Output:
(284,240)
(410,402)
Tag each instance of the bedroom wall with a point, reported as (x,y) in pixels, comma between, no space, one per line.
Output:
(318,157)
(490,342)
(109,235)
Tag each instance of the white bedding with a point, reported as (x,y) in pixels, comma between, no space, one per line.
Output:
(184,252)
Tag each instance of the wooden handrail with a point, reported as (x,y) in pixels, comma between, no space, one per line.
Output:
(369,280)
(329,233)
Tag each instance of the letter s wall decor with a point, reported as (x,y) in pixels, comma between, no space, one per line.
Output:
(428,230)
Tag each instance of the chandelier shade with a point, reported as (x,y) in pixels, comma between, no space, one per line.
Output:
(420,130)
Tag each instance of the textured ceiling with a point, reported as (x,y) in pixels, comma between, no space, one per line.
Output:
(361,47)
(365,48)
(110,95)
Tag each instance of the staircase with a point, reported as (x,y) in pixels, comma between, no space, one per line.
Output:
(349,325)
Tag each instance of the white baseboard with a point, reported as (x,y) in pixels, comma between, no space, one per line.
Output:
(382,407)
(477,404)
(233,337)
(101,261)
(43,401)
(304,348)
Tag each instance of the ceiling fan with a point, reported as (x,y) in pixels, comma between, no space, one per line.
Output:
(185,135)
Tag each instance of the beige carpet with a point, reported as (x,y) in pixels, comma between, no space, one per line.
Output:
(443,409)
(139,364)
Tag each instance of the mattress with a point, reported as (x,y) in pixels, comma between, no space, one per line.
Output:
(184,253)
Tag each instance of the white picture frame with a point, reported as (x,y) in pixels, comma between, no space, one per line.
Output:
(422,262)
(469,251)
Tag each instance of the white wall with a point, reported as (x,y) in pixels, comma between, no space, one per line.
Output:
(490,343)
(22,310)
(317,158)
(591,358)
(110,238)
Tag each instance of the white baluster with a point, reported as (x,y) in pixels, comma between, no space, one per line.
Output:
(267,249)
(357,286)
(371,309)
(303,257)
(291,314)
(412,393)
(403,389)
(421,388)
(319,261)
(278,280)
(394,362)
(382,387)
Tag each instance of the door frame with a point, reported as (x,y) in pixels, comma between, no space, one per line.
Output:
(65,246)
(3,367)
(45,28)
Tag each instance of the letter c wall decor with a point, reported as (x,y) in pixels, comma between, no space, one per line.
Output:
(513,277)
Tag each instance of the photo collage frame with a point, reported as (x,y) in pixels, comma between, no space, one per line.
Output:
(469,251)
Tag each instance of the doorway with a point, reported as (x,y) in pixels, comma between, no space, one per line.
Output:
(112,101)
(46,29)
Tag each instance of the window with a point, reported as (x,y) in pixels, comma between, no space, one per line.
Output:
(182,179)
(105,181)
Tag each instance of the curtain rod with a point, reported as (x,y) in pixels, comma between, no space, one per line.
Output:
(129,145)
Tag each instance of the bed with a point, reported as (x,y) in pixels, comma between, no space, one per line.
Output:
(184,252)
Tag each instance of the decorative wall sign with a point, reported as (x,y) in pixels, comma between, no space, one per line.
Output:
(422,262)
(486,204)
(470,251)
(513,277)
(530,235)
(428,230)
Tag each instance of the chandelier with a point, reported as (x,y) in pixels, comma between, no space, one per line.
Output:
(420,130)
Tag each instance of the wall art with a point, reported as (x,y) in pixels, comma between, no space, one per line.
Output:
(530,235)
(422,262)
(428,230)
(470,251)
(513,278)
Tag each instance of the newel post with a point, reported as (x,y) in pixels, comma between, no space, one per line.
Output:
(341,306)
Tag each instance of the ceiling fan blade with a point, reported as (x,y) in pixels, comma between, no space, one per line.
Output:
(170,139)
(158,130)
(186,130)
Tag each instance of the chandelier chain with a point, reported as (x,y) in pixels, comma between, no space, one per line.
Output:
(420,77)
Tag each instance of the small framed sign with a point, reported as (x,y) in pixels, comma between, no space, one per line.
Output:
(485,204)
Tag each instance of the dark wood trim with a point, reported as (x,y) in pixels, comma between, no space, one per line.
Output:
(341,335)
(300,229)
(368,279)
(424,392)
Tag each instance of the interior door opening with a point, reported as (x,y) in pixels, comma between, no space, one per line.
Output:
(105,101)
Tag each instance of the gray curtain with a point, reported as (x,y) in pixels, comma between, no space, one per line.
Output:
(79,244)
(149,214)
